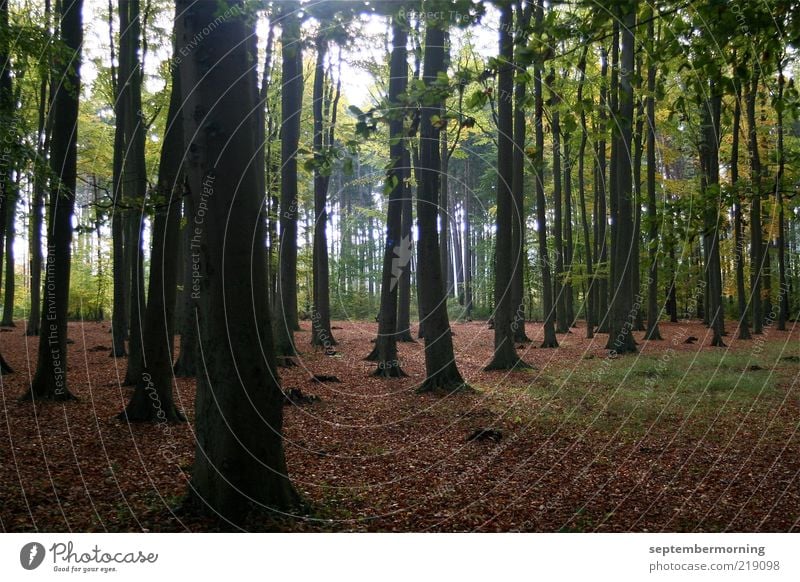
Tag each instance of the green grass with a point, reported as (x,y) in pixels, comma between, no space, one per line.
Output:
(632,393)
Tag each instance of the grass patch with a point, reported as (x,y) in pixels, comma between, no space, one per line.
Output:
(631,393)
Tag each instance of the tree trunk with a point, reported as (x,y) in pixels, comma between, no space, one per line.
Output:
(50,380)
(562,325)
(709,184)
(620,338)
(549,340)
(738,227)
(783,288)
(321,317)
(442,375)
(653,309)
(186,364)
(239,463)
(601,218)
(518,216)
(291,109)
(10,235)
(591,286)
(505,356)
(153,398)
(397,250)
(134,183)
(568,239)
(756,240)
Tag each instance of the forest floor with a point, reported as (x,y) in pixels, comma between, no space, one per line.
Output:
(681,437)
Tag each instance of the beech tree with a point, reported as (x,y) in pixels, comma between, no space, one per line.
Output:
(239,464)
(50,380)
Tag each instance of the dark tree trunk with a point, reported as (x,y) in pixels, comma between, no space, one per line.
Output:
(562,325)
(153,397)
(601,220)
(620,338)
(442,374)
(738,227)
(518,185)
(468,298)
(291,108)
(568,239)
(10,235)
(783,288)
(134,183)
(321,317)
(591,286)
(653,310)
(50,380)
(404,286)
(709,184)
(756,240)
(239,463)
(548,311)
(505,356)
(397,251)
(186,363)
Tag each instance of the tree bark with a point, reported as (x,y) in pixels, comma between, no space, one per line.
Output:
(291,108)
(756,240)
(50,380)
(321,317)
(549,340)
(397,251)
(442,375)
(153,397)
(591,286)
(620,338)
(653,309)
(239,463)
(505,356)
(738,227)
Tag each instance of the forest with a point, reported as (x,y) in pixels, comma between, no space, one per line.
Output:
(399,265)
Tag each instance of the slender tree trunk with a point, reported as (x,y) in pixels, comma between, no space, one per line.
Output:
(591,286)
(518,183)
(291,109)
(239,463)
(568,239)
(404,286)
(321,317)
(709,184)
(738,227)
(756,240)
(50,380)
(397,251)
(562,325)
(134,184)
(505,356)
(153,397)
(653,309)
(10,234)
(601,216)
(548,309)
(442,374)
(783,288)
(620,338)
